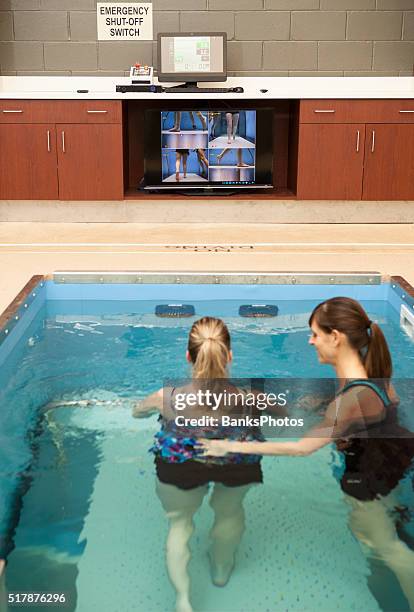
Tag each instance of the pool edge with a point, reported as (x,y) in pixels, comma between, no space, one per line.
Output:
(404,284)
(19,300)
(248,277)
(187,277)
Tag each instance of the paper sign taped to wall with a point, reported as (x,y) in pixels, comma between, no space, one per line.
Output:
(124,21)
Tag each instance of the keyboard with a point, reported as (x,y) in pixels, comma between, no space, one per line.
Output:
(133,87)
(199,89)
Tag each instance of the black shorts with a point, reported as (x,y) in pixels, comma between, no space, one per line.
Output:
(191,474)
(369,486)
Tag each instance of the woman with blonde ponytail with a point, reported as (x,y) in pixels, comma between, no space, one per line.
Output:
(209,349)
(184,475)
(362,421)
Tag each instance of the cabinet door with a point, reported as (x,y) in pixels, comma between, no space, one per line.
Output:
(28,165)
(90,162)
(389,162)
(330,164)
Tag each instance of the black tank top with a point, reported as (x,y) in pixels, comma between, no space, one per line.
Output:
(375,464)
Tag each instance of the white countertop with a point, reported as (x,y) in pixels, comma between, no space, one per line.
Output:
(281,88)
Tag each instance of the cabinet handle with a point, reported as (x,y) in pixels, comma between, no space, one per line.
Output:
(48,141)
(406,111)
(357,141)
(96,111)
(373,141)
(324,110)
(63,143)
(12,111)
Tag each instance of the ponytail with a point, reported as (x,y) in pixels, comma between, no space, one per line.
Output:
(377,360)
(209,348)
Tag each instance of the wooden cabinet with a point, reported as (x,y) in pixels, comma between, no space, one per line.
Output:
(74,149)
(331,161)
(77,155)
(28,168)
(90,162)
(389,162)
(83,111)
(357,111)
(340,158)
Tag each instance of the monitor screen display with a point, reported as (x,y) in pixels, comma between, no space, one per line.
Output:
(192,56)
(205,147)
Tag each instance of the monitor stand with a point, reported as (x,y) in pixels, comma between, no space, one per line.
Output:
(192,87)
(186,85)
(190,191)
(209,192)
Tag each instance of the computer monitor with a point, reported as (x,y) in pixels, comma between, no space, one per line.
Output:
(192,57)
(208,148)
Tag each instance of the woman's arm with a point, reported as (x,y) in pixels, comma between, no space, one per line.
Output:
(301,448)
(315,439)
(149,405)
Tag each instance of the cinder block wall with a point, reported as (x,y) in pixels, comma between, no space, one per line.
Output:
(270,37)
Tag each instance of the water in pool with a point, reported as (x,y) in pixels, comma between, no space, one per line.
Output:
(82,515)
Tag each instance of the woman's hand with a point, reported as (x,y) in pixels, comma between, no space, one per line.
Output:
(214,448)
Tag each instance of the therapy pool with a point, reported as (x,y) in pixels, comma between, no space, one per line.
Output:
(78,511)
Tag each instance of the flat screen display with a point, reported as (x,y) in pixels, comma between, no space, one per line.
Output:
(192,54)
(204,147)
(194,57)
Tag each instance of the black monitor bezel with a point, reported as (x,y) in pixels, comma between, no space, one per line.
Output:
(181,77)
(264,171)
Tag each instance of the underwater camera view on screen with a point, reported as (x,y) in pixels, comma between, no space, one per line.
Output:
(79,510)
(208,146)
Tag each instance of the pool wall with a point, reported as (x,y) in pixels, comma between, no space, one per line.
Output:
(167,287)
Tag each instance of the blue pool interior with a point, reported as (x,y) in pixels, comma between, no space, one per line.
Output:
(78,510)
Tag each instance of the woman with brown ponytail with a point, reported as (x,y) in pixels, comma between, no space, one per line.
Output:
(362,419)
(184,476)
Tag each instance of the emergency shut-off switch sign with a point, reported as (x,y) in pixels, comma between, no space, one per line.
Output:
(124,21)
